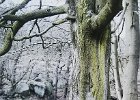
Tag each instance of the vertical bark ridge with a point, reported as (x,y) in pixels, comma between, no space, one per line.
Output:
(92,54)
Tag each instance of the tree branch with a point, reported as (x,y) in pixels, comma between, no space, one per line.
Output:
(22,19)
(22,5)
(40,34)
(13,10)
(9,37)
(106,14)
(37,14)
(121,19)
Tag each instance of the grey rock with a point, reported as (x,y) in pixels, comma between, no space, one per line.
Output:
(23,89)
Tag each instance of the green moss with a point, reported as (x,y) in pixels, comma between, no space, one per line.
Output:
(92,59)
(98,65)
(92,51)
(9,37)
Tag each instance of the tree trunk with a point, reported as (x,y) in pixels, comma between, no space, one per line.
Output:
(132,35)
(114,51)
(93,52)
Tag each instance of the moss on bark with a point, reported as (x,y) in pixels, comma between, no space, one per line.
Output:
(92,50)
(9,37)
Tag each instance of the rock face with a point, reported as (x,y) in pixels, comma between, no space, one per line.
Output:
(39,90)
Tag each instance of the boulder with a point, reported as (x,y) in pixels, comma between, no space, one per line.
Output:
(23,89)
(38,87)
(49,87)
(41,88)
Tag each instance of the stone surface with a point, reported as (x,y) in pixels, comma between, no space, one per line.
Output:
(23,89)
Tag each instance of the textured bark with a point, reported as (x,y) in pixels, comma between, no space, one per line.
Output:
(92,53)
(75,65)
(9,35)
(106,14)
(93,39)
(132,53)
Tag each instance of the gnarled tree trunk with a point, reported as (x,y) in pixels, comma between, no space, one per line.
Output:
(93,51)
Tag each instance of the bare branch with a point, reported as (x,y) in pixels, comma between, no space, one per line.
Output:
(22,5)
(121,19)
(35,22)
(42,42)
(38,35)
(32,26)
(38,27)
(121,30)
(37,14)
(12,11)
(40,4)
(22,19)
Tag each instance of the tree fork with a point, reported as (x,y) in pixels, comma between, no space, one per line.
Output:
(93,38)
